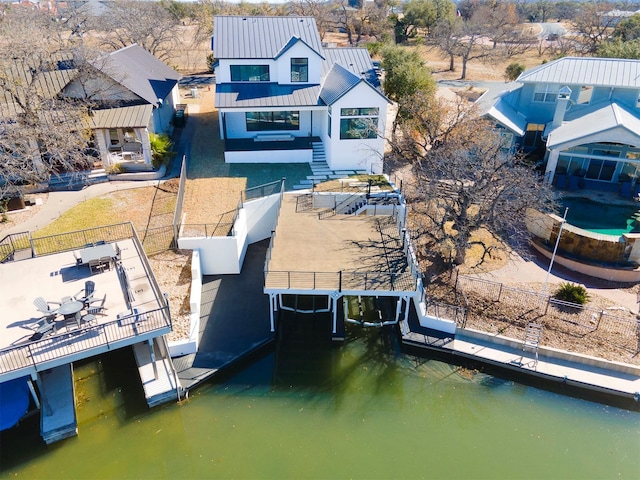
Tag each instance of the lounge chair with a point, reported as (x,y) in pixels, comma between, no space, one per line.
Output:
(97,309)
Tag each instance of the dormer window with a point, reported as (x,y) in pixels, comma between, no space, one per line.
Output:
(249,73)
(299,70)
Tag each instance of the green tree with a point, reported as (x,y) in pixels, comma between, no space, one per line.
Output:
(406,76)
(628,29)
(513,71)
(620,49)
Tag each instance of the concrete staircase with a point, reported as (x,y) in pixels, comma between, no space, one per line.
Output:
(320,170)
(77,180)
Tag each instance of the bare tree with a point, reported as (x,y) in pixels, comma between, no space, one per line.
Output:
(467,181)
(41,131)
(593,26)
(149,24)
(318,9)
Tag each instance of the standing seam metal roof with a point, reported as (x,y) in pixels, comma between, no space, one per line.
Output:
(261,37)
(140,72)
(608,72)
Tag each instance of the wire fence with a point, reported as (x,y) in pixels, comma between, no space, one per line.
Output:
(518,307)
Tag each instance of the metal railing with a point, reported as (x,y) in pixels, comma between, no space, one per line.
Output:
(12,243)
(70,343)
(177,213)
(261,191)
(64,242)
(340,281)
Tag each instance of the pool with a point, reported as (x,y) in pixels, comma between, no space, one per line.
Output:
(601,217)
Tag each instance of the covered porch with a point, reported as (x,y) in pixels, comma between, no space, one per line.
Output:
(599,150)
(121,136)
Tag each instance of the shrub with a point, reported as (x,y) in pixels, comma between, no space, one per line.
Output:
(513,71)
(570,292)
(161,146)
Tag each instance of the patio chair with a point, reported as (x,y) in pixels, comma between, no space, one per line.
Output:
(43,307)
(97,309)
(89,318)
(43,328)
(88,290)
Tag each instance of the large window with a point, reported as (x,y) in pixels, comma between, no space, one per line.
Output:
(358,123)
(533,135)
(546,93)
(260,121)
(249,73)
(601,169)
(299,69)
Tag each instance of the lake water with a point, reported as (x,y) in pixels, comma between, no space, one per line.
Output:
(362,410)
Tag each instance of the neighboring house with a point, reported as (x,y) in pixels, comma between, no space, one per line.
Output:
(129,92)
(135,94)
(581,115)
(283,97)
(614,17)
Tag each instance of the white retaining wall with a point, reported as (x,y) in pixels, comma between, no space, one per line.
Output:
(189,345)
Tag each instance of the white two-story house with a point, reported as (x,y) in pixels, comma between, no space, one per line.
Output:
(282,97)
(582,115)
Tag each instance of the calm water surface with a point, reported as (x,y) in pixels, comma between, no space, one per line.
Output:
(362,411)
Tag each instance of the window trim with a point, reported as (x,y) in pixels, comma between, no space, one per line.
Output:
(549,92)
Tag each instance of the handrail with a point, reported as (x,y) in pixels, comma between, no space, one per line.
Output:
(350,200)
(63,345)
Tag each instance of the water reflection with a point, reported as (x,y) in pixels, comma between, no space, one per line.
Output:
(362,410)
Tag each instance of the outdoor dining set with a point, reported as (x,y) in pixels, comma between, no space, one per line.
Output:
(98,256)
(76,310)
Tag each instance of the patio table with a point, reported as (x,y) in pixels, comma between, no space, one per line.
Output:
(71,309)
(97,252)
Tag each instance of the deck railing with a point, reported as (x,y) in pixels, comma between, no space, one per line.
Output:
(94,337)
(64,242)
(340,281)
(12,243)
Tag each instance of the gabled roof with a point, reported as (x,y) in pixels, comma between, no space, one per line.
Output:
(139,71)
(356,60)
(596,123)
(261,37)
(602,72)
(292,41)
(260,94)
(339,81)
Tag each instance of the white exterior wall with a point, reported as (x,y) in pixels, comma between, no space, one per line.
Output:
(237,124)
(269,156)
(283,65)
(261,217)
(356,154)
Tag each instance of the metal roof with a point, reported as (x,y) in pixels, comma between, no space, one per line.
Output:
(243,95)
(121,117)
(338,82)
(261,37)
(607,72)
(599,118)
(356,60)
(139,71)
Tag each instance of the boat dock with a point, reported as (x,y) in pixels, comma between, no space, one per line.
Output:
(58,404)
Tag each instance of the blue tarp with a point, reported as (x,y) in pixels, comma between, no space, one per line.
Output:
(14,401)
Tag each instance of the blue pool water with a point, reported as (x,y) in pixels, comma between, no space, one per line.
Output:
(601,217)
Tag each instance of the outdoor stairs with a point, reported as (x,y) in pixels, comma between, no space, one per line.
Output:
(320,170)
(532,337)
(77,180)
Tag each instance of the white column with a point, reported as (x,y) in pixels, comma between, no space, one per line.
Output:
(334,307)
(552,163)
(101,139)
(143,134)
(272,308)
